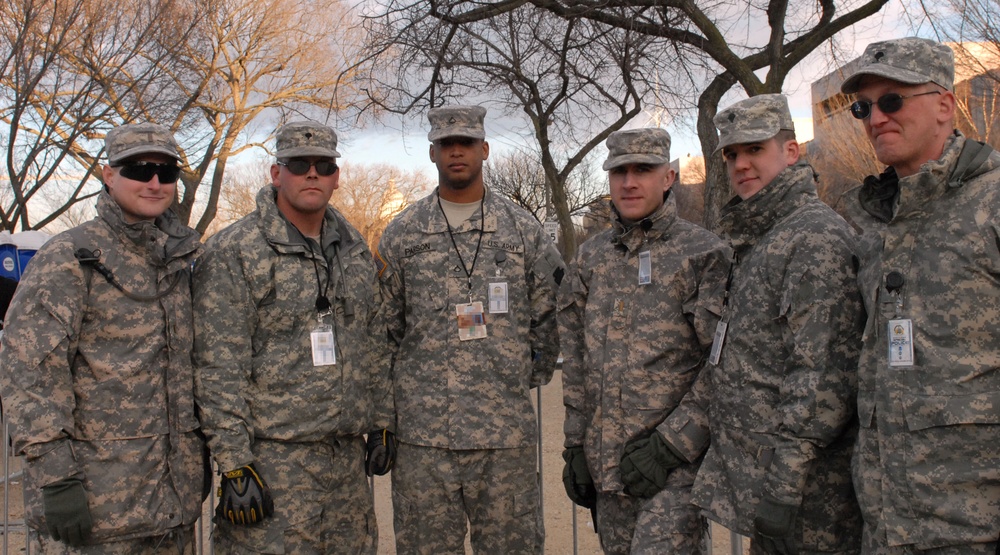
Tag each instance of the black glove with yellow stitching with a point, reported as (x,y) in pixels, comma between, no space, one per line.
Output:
(380,454)
(244,497)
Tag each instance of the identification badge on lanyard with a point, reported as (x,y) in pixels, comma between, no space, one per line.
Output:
(901,342)
(645,268)
(324,345)
(717,341)
(471,321)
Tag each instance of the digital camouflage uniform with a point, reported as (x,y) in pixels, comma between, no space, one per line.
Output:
(99,386)
(927,462)
(782,395)
(631,352)
(927,467)
(263,401)
(467,404)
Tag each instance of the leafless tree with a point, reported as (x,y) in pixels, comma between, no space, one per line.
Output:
(67,69)
(246,59)
(211,70)
(735,40)
(519,175)
(370,195)
(576,81)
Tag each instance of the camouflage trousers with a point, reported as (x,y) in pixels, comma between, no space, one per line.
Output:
(178,542)
(665,523)
(437,494)
(322,501)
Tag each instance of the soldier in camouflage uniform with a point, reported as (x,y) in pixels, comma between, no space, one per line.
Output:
(636,319)
(927,463)
(469,284)
(96,376)
(783,388)
(289,371)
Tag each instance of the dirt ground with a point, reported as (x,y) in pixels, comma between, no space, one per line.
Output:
(558,510)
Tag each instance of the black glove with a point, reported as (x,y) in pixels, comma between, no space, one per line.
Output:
(576,478)
(646,463)
(67,515)
(381,453)
(774,526)
(244,497)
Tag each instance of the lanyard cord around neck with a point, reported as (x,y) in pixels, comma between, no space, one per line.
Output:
(482,226)
(322,301)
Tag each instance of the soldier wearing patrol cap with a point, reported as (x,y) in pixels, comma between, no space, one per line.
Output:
(927,459)
(783,366)
(637,315)
(95,370)
(469,282)
(289,370)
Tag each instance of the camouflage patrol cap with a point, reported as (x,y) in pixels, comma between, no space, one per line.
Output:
(650,145)
(132,139)
(753,120)
(457,121)
(305,138)
(911,61)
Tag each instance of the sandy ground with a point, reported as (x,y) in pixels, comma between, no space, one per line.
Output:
(561,539)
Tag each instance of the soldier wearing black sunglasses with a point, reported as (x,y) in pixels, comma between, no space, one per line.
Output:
(96,372)
(290,370)
(926,459)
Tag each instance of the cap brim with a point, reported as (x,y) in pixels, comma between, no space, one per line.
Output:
(143,150)
(437,135)
(625,159)
(303,151)
(906,77)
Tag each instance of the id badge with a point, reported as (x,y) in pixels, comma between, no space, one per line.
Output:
(717,341)
(471,322)
(901,342)
(645,268)
(324,346)
(498,298)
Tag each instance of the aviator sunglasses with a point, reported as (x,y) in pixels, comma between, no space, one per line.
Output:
(301,167)
(144,171)
(887,104)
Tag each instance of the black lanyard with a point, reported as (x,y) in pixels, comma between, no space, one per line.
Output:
(322,301)
(482,225)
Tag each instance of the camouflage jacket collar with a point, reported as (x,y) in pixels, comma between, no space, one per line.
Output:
(429,213)
(652,227)
(746,221)
(285,237)
(163,240)
(886,197)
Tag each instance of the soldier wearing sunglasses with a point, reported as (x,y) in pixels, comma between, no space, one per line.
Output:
(96,372)
(927,458)
(290,372)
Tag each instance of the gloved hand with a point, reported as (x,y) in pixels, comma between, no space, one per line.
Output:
(67,515)
(381,452)
(244,497)
(646,463)
(774,526)
(576,478)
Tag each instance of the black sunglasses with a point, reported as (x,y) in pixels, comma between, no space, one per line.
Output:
(144,171)
(887,104)
(301,167)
